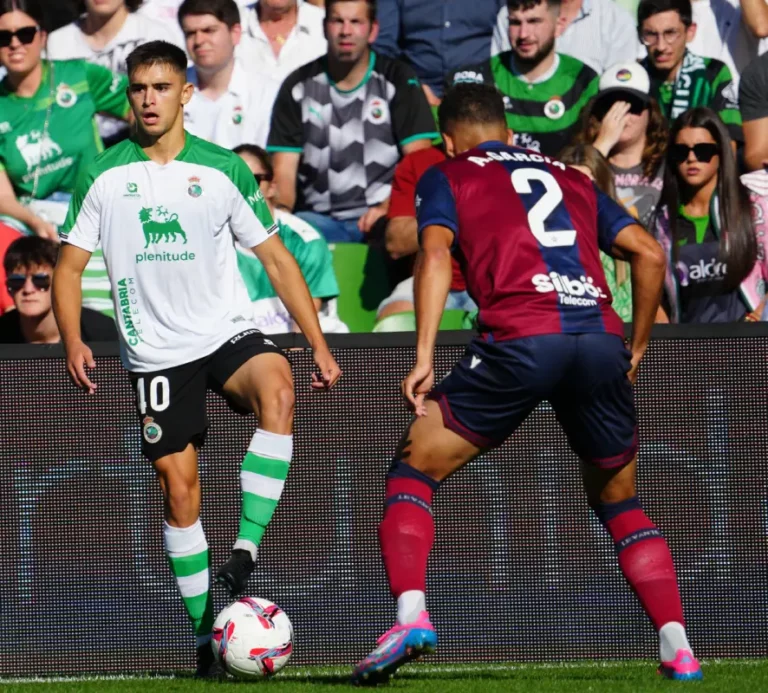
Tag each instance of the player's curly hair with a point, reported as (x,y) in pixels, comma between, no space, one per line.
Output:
(656,134)
(480,104)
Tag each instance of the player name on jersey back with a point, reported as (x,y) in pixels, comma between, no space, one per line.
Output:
(528,231)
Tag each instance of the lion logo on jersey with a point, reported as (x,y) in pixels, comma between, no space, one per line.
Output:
(166,229)
(37,147)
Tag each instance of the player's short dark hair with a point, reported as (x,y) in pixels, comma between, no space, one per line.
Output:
(372,8)
(225,11)
(480,104)
(517,5)
(34,8)
(648,8)
(157,53)
(257,153)
(28,251)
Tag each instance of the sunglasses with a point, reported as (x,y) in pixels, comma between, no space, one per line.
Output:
(704,152)
(262,177)
(636,106)
(15,282)
(25,35)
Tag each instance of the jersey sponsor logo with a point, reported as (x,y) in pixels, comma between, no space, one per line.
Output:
(377,110)
(507,104)
(65,96)
(151,431)
(468,76)
(127,308)
(131,190)
(700,272)
(572,292)
(166,229)
(194,189)
(554,109)
(37,147)
(256,199)
(731,96)
(527,141)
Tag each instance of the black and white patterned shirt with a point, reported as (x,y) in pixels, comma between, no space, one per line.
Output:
(350,141)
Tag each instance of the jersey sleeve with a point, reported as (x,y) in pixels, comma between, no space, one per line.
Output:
(82,227)
(402,199)
(250,220)
(726,103)
(108,90)
(286,132)
(411,115)
(435,203)
(611,219)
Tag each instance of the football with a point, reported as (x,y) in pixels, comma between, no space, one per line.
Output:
(252,638)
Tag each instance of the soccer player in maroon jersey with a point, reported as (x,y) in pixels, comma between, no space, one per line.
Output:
(526,230)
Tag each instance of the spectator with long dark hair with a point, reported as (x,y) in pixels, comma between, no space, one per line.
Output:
(625,124)
(705,226)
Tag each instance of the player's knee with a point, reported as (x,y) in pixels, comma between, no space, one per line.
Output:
(278,403)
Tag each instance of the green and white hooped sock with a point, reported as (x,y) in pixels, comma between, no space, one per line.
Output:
(188,555)
(263,475)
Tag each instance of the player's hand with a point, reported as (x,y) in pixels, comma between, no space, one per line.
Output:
(614,122)
(329,370)
(417,385)
(366,222)
(635,364)
(80,357)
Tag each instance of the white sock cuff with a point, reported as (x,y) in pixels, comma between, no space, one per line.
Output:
(274,445)
(184,541)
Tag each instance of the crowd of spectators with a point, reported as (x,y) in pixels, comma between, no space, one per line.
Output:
(332,104)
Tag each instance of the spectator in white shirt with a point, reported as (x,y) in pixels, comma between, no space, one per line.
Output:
(230,106)
(107,32)
(281,36)
(600,33)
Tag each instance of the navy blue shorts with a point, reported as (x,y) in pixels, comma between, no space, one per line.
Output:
(494,387)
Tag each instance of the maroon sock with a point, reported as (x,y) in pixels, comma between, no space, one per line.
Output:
(645,560)
(407,530)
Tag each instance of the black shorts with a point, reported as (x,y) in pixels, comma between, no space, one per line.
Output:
(171,402)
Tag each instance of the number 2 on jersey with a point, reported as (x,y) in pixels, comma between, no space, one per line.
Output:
(544,206)
(159,394)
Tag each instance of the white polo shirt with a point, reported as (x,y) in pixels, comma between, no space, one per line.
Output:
(239,116)
(305,43)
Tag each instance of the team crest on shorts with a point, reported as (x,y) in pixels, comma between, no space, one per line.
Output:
(152,431)
(554,109)
(194,189)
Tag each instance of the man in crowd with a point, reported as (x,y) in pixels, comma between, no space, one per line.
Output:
(753,102)
(436,36)
(230,104)
(340,124)
(544,91)
(680,79)
(600,33)
(28,266)
(282,36)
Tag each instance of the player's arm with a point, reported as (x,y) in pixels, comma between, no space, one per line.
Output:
(286,165)
(67,299)
(648,267)
(288,281)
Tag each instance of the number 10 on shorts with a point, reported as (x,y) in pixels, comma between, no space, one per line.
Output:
(159,394)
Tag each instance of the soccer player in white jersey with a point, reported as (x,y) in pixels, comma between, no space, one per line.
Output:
(164,206)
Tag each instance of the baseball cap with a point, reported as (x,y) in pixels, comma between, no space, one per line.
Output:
(626,77)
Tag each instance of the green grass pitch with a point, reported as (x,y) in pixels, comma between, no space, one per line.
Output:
(722,676)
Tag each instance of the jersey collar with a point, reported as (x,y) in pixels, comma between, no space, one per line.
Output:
(181,156)
(539,80)
(371,63)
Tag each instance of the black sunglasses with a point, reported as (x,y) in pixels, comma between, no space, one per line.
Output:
(25,35)
(636,106)
(262,176)
(15,282)
(703,151)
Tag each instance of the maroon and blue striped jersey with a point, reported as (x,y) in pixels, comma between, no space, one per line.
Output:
(527,234)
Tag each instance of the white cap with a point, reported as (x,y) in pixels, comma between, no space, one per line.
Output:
(626,77)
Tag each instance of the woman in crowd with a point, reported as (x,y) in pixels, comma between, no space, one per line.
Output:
(47,134)
(627,127)
(716,261)
(588,160)
(105,35)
